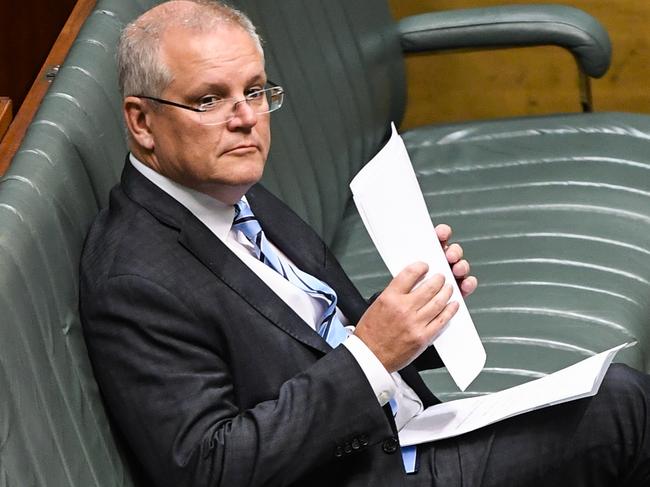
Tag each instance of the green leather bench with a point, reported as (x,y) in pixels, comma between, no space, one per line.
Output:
(553,212)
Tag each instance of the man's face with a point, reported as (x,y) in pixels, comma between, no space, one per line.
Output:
(221,160)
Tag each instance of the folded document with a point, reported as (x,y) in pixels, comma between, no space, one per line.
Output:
(455,418)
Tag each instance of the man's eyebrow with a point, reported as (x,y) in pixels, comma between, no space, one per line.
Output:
(223,87)
(259,78)
(208,86)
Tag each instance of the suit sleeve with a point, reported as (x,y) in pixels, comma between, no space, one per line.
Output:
(172,397)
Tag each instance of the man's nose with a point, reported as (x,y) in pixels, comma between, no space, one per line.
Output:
(243,114)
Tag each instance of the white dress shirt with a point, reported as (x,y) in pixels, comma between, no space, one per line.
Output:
(218,218)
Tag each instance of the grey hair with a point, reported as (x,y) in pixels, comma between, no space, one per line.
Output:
(140,67)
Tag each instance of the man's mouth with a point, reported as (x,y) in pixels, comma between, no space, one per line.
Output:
(243,148)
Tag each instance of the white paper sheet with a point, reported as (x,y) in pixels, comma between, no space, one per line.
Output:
(455,418)
(391,205)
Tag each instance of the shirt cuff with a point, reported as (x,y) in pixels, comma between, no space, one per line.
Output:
(380,380)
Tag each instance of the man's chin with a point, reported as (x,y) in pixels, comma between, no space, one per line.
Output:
(243,171)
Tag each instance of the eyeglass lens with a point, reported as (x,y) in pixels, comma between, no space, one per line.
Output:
(263,101)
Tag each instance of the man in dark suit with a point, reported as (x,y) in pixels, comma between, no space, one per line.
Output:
(213,365)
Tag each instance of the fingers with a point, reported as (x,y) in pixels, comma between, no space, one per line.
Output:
(434,306)
(437,313)
(412,274)
(468,285)
(454,253)
(406,280)
(443,231)
(427,290)
(436,325)
(460,269)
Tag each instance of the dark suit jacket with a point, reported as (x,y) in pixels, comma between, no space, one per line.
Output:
(208,376)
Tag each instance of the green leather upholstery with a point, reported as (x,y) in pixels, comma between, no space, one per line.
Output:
(510,26)
(53,428)
(552,211)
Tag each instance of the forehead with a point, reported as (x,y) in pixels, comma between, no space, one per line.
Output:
(227,54)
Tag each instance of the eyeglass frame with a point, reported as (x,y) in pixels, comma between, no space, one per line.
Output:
(235,101)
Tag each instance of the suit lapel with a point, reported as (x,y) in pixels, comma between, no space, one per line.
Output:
(238,277)
(287,231)
(214,254)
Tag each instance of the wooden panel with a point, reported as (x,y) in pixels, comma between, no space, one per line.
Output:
(488,84)
(28,28)
(5,115)
(18,127)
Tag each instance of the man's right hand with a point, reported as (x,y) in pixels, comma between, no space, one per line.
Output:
(403,321)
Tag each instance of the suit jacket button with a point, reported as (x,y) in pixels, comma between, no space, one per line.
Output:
(347,448)
(363,439)
(390,445)
(338,453)
(355,444)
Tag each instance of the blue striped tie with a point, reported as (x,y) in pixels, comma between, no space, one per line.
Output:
(330,327)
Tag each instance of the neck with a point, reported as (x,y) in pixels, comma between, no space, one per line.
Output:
(226,194)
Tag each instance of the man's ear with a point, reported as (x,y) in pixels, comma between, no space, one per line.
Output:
(136,116)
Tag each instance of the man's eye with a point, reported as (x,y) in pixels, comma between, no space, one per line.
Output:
(209,101)
(255,92)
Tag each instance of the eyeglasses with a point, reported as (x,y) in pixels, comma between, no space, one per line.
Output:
(224,110)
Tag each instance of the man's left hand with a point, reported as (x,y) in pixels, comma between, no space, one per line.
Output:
(459,266)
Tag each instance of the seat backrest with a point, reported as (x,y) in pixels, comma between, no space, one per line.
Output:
(53,428)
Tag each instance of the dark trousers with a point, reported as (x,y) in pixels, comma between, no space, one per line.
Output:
(598,441)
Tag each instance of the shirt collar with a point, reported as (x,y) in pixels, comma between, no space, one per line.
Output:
(214,214)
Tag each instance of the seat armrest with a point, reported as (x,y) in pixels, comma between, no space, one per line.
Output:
(511,26)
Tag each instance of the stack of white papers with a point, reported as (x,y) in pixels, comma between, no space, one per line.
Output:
(391,205)
(455,418)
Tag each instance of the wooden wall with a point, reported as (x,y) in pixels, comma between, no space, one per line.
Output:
(28,29)
(462,86)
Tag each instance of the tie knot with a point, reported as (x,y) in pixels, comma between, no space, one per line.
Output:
(246,222)
(242,210)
